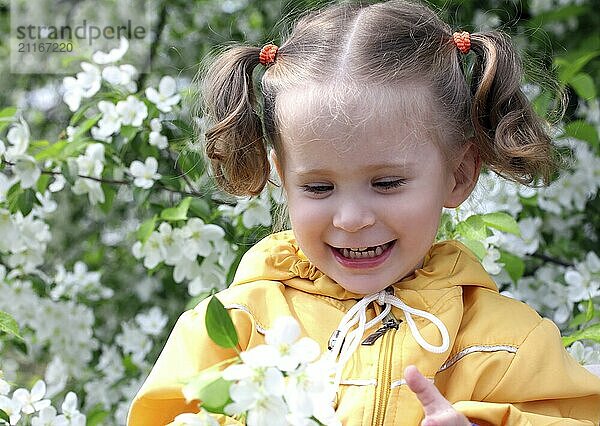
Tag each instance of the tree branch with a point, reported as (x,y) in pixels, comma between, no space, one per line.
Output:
(116,182)
(551,259)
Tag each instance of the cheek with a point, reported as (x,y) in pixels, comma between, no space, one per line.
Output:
(306,212)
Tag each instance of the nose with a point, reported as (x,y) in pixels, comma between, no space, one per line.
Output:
(353,215)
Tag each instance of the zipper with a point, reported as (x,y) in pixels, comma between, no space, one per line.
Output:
(384,381)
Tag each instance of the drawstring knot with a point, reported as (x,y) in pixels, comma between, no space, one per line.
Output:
(344,342)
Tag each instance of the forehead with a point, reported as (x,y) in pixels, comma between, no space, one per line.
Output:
(370,122)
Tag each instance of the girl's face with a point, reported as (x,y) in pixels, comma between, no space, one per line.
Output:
(377,184)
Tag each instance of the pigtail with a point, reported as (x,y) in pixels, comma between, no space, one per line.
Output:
(235,143)
(512,139)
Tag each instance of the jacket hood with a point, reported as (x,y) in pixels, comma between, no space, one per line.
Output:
(278,258)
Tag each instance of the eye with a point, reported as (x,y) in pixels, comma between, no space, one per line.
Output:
(317,189)
(389,184)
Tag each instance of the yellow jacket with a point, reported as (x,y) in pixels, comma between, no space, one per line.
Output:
(505,365)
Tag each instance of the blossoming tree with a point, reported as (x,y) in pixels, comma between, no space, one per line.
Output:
(95,212)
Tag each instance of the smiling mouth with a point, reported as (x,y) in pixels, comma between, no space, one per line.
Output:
(364,252)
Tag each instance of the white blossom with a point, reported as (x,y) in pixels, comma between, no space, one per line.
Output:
(26,170)
(166,96)
(48,417)
(56,376)
(110,364)
(32,401)
(85,85)
(156,138)
(144,173)
(134,342)
(4,386)
(18,137)
(47,204)
(199,237)
(91,164)
(152,322)
(172,243)
(195,419)
(109,124)
(151,251)
(59,181)
(122,75)
(185,269)
(113,55)
(253,211)
(283,335)
(210,275)
(585,355)
(584,279)
(12,408)
(132,111)
(529,240)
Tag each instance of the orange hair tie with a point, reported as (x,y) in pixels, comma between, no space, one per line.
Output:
(267,54)
(462,40)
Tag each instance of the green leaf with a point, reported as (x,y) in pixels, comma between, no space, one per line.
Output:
(578,320)
(570,67)
(128,133)
(502,221)
(589,311)
(53,151)
(8,325)
(109,197)
(200,208)
(473,228)
(42,183)
(590,333)
(96,415)
(173,214)
(582,130)
(72,148)
(210,389)
(4,416)
(541,104)
(219,326)
(584,86)
(25,201)
(514,265)
(7,116)
(475,246)
(84,127)
(145,229)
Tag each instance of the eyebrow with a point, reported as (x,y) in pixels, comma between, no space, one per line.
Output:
(367,168)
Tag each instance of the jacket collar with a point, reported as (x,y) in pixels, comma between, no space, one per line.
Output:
(278,258)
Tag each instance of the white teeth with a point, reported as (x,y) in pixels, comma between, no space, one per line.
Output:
(362,252)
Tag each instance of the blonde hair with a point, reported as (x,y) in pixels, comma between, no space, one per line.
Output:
(390,43)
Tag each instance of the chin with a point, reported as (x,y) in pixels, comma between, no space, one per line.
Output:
(361,287)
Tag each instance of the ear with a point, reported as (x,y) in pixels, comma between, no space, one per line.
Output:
(275,161)
(465,172)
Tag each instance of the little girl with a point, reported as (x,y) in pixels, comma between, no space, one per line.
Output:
(375,127)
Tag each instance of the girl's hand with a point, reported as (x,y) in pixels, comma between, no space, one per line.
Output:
(438,411)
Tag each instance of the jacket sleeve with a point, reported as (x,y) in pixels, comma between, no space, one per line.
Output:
(543,385)
(188,351)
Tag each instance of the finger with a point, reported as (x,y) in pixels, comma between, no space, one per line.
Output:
(432,400)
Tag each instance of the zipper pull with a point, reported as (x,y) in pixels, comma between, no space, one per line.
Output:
(389,322)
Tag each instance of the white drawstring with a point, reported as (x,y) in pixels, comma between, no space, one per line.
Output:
(346,341)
